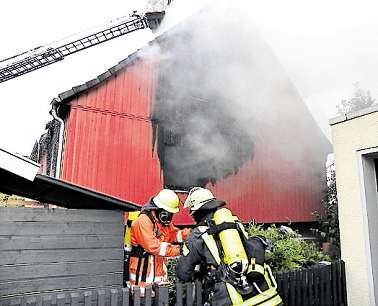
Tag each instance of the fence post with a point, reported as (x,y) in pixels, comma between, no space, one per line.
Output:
(328,292)
(125,296)
(286,287)
(113,297)
(189,294)
(60,299)
(74,298)
(47,300)
(199,293)
(136,296)
(162,298)
(148,296)
(343,281)
(87,298)
(292,278)
(299,287)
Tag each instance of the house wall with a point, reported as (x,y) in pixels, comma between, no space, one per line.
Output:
(108,140)
(350,138)
(110,146)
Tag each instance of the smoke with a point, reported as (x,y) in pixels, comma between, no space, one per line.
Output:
(223,97)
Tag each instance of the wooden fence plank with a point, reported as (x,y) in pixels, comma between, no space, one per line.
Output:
(316,287)
(286,288)
(59,242)
(87,298)
(136,297)
(311,287)
(69,228)
(299,288)
(343,282)
(305,285)
(189,294)
(101,297)
(198,295)
(148,296)
(322,286)
(125,297)
(113,297)
(292,287)
(328,291)
(62,283)
(339,283)
(59,215)
(74,299)
(48,256)
(47,300)
(162,296)
(15,272)
(179,294)
(60,299)
(334,286)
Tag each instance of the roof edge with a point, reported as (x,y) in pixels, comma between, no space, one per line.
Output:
(356,114)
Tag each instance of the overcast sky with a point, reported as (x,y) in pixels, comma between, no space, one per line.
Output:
(325,47)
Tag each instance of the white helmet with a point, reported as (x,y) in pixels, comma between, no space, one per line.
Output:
(198,197)
(168,200)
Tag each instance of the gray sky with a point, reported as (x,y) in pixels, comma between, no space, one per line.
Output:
(325,46)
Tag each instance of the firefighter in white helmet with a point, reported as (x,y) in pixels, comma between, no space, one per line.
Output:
(152,235)
(230,265)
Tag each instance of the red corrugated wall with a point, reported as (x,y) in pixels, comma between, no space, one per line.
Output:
(108,140)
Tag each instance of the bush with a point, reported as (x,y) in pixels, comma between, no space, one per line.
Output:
(289,251)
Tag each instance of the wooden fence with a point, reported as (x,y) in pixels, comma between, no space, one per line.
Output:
(42,250)
(315,286)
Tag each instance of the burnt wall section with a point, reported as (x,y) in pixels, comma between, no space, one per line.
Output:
(45,150)
(58,249)
(199,139)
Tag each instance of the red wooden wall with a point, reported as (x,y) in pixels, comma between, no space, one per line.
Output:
(108,147)
(108,140)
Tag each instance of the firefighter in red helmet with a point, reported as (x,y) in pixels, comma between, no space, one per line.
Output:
(152,235)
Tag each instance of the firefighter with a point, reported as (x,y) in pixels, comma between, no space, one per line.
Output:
(219,253)
(152,235)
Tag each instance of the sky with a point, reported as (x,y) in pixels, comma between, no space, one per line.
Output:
(324,46)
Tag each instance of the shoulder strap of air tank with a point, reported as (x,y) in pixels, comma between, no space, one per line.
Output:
(210,243)
(148,213)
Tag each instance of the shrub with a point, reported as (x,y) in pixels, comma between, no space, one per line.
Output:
(289,251)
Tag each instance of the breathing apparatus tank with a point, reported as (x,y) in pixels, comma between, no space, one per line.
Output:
(127,239)
(234,255)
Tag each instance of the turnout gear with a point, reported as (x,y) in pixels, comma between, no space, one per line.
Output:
(151,242)
(233,265)
(168,200)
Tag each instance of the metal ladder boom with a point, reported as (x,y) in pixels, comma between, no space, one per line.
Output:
(53,55)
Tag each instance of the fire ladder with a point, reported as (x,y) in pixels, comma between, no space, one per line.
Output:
(51,55)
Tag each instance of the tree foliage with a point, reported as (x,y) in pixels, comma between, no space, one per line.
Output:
(361,99)
(328,219)
(290,251)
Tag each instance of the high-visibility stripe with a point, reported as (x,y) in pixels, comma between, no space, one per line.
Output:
(210,243)
(163,248)
(179,236)
(260,299)
(149,279)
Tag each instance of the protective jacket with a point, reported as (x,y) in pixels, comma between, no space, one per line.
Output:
(201,260)
(151,243)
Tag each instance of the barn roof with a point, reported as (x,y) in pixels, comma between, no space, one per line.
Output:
(75,91)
